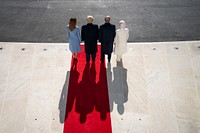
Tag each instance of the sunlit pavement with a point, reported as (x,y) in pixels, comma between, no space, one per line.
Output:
(154,89)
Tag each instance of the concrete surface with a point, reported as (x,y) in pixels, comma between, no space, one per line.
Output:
(160,88)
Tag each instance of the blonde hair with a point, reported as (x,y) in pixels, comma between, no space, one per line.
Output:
(90,19)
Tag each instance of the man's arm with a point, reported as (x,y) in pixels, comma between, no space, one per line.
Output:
(114,31)
(97,32)
(82,33)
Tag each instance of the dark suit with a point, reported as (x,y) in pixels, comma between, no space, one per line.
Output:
(106,37)
(90,35)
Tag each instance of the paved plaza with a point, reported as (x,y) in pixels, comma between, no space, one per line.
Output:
(157,83)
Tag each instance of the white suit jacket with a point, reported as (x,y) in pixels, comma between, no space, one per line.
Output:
(120,41)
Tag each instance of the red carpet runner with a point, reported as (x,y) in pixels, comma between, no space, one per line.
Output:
(87,109)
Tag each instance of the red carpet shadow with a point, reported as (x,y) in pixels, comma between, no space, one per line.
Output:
(87,109)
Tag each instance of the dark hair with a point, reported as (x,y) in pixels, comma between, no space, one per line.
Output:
(72,23)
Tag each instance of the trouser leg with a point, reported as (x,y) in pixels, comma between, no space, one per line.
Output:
(109,57)
(87,57)
(93,57)
(102,56)
(119,57)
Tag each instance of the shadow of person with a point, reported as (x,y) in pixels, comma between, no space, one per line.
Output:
(102,99)
(85,95)
(109,80)
(118,87)
(63,99)
(70,92)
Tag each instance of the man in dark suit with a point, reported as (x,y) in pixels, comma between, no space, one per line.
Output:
(106,37)
(90,35)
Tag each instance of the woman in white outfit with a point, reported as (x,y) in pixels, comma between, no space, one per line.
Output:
(121,39)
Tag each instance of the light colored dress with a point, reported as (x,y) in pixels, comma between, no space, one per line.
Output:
(74,39)
(120,41)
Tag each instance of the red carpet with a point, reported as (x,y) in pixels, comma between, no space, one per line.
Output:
(87,109)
